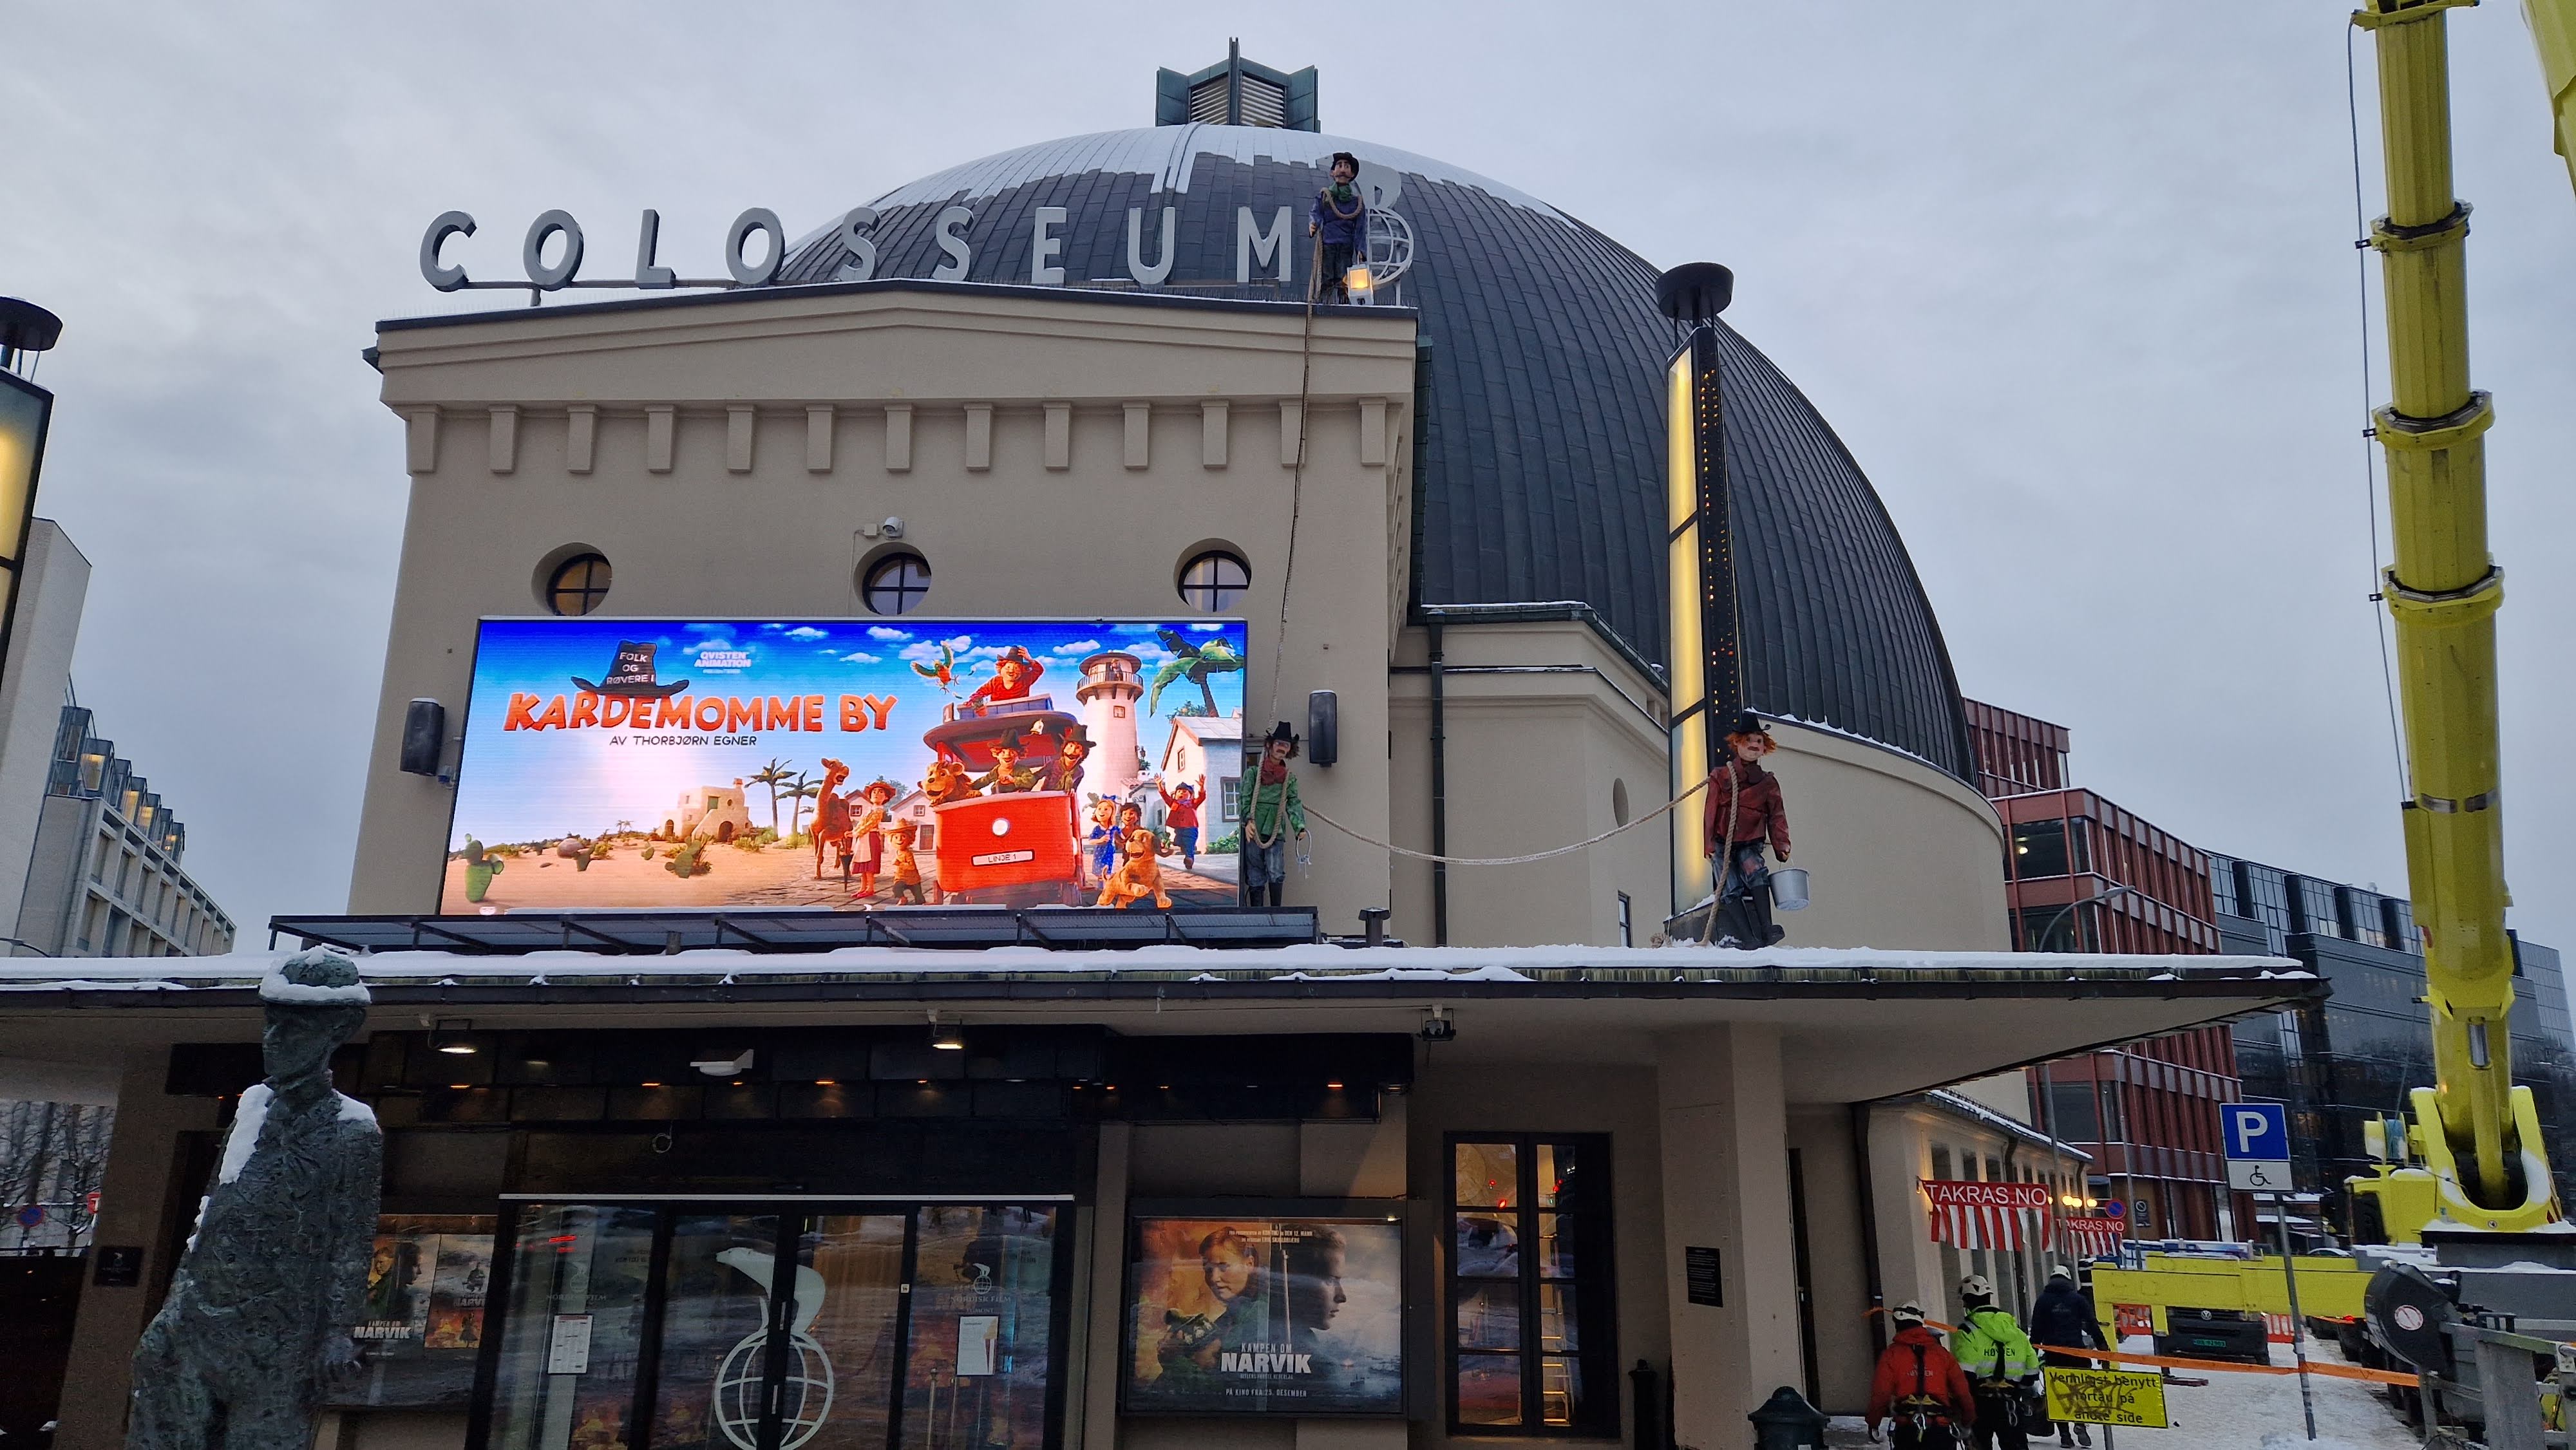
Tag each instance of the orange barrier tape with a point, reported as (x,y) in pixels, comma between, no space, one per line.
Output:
(2167,1361)
(2315,1366)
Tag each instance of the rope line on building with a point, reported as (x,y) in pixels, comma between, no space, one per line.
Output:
(1297,479)
(1584,844)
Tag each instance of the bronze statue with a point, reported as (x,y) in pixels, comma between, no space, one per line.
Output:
(258,1319)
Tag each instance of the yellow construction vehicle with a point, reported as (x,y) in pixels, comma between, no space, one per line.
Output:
(2471,1157)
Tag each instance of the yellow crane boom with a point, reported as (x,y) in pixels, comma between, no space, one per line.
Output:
(2475,1135)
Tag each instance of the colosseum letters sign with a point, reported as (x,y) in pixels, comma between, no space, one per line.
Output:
(755,247)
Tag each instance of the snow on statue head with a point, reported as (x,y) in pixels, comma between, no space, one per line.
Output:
(314,1001)
(258,1319)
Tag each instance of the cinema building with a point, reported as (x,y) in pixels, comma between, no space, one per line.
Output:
(679,1157)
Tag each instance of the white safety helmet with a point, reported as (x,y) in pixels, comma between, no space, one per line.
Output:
(1908,1312)
(1976,1286)
(2060,1271)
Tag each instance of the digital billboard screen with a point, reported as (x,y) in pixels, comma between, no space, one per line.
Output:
(848,763)
(1266,1312)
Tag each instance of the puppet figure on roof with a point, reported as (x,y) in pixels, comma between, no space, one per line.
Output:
(1338,221)
(1743,812)
(1271,810)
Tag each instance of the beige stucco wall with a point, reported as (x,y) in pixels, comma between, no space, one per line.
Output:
(1545,722)
(488,406)
(1897,853)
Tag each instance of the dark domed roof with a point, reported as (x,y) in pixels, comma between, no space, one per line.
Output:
(1541,431)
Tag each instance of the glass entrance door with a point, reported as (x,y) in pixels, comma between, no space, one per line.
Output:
(711,1366)
(565,1377)
(785,1327)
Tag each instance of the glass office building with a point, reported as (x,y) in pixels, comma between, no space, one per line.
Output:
(2355,1056)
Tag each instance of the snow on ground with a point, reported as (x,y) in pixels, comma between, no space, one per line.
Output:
(2245,1412)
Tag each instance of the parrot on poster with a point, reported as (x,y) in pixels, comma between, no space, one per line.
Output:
(942,674)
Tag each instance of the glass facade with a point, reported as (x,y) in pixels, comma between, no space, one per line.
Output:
(2356,1056)
(2222,886)
(2264,894)
(776,1327)
(2040,848)
(2313,907)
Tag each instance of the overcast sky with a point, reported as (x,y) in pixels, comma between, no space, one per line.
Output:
(2075,284)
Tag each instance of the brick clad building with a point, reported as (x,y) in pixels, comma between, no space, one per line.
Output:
(2084,874)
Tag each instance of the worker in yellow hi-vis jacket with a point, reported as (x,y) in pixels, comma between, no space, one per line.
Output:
(2002,1367)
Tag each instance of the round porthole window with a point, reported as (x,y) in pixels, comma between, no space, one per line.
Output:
(896,584)
(578,585)
(1215,581)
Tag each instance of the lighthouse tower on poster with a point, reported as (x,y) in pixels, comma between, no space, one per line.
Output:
(1108,695)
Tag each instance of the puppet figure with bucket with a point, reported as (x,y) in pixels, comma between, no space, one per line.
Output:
(1745,812)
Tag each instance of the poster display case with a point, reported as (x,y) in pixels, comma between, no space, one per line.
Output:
(1275,1307)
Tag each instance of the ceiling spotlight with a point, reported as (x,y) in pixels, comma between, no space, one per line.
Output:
(946,1036)
(454,1035)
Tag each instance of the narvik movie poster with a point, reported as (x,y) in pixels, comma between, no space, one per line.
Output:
(848,763)
(1251,1315)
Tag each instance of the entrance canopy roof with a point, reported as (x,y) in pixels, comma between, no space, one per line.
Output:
(1854,1024)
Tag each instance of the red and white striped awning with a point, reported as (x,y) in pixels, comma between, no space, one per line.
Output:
(1974,1215)
(2091,1236)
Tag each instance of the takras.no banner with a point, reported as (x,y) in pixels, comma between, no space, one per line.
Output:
(847,762)
(1246,1315)
(1971,1193)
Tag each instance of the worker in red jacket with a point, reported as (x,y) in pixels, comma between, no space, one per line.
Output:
(1921,1386)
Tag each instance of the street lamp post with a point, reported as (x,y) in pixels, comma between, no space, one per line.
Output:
(2127,1173)
(25,411)
(2094,900)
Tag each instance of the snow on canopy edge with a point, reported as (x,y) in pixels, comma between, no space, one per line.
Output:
(1320,961)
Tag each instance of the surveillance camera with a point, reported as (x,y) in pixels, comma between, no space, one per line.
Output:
(1438,1026)
(893,528)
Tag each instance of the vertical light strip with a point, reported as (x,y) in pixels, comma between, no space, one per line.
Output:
(1685,647)
(25,410)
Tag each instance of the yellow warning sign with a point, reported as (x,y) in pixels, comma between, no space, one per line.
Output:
(2107,1397)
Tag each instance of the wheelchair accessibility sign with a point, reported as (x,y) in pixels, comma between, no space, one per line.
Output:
(2258,1146)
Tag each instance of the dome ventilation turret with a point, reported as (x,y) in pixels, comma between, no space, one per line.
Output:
(1237,93)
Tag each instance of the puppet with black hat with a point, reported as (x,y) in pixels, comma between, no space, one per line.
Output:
(1338,221)
(1743,812)
(1270,812)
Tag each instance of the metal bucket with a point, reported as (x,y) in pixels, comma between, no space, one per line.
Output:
(1789,888)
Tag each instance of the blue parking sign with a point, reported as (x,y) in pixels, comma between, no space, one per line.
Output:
(2257,1130)
(2257,1138)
